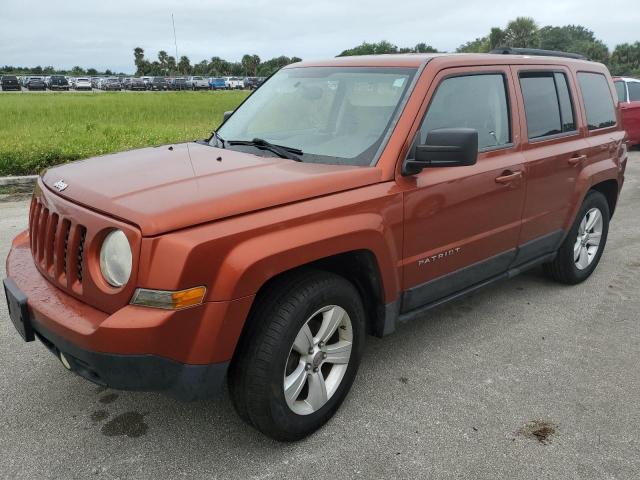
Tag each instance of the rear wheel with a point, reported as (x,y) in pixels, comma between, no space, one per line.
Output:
(299,356)
(581,250)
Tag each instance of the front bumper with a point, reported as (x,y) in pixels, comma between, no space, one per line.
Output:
(149,373)
(182,353)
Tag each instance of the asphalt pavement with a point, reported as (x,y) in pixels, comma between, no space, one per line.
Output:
(527,379)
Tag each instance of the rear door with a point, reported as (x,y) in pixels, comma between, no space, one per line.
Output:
(462,223)
(554,149)
(604,137)
(631,111)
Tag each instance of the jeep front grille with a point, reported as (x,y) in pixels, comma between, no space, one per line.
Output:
(58,245)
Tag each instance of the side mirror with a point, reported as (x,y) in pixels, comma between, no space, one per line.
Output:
(226,115)
(444,147)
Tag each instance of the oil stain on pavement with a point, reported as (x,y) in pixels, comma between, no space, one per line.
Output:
(540,430)
(99,415)
(130,424)
(109,398)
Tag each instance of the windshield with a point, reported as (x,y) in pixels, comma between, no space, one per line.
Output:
(336,115)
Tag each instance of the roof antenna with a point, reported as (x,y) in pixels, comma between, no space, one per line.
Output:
(175,40)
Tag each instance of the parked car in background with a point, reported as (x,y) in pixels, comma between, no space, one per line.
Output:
(234,83)
(197,83)
(9,83)
(135,84)
(217,83)
(111,84)
(178,84)
(94,82)
(83,83)
(157,84)
(58,82)
(35,83)
(251,83)
(628,90)
(146,81)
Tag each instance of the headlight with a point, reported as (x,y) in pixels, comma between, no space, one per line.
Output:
(115,258)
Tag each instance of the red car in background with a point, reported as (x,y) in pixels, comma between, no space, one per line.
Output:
(629,96)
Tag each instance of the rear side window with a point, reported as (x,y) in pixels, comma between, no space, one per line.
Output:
(471,101)
(621,90)
(634,91)
(597,100)
(547,103)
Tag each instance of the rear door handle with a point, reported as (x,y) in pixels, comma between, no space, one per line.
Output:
(577,159)
(508,177)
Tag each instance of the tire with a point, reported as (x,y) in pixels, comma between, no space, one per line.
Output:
(573,268)
(266,354)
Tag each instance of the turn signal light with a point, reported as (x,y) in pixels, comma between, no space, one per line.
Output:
(169,300)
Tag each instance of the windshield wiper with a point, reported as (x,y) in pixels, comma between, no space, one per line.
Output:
(280,150)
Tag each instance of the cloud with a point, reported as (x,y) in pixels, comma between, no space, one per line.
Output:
(103,34)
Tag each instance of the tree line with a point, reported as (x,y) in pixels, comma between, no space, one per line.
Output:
(249,65)
(522,32)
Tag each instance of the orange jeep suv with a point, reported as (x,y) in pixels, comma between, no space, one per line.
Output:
(341,198)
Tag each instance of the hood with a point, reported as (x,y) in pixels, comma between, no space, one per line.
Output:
(167,188)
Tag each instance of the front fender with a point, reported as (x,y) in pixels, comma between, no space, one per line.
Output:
(253,262)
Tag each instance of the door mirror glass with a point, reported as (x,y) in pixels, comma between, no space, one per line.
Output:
(444,147)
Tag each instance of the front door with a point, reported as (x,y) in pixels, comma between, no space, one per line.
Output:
(462,223)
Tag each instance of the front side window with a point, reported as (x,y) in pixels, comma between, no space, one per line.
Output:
(471,101)
(597,100)
(336,115)
(634,91)
(621,90)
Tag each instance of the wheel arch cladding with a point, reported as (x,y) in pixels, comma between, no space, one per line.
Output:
(360,267)
(609,188)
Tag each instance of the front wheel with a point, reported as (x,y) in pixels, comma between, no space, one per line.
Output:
(296,362)
(582,248)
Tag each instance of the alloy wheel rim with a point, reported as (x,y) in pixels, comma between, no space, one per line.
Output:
(318,360)
(588,240)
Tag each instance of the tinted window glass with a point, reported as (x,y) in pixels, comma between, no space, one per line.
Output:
(472,101)
(541,104)
(597,100)
(634,91)
(564,99)
(621,90)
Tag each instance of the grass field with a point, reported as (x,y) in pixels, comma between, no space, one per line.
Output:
(37,131)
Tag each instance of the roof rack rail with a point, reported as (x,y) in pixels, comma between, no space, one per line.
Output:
(536,51)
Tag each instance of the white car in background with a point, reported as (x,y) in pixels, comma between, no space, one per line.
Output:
(198,83)
(234,82)
(83,83)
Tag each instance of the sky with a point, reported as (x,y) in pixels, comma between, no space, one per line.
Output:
(103,34)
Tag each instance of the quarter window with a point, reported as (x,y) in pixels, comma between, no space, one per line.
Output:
(634,91)
(621,90)
(471,101)
(547,103)
(597,100)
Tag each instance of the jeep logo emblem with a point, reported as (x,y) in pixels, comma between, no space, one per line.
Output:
(60,185)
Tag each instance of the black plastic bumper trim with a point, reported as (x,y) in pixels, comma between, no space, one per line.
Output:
(149,373)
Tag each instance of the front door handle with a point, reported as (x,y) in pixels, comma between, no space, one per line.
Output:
(508,177)
(577,159)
